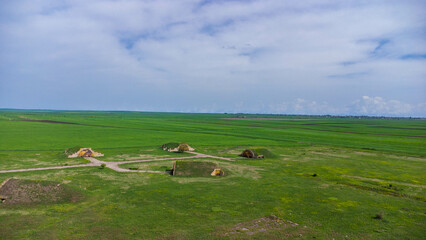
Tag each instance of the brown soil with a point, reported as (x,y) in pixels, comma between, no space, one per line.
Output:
(16,191)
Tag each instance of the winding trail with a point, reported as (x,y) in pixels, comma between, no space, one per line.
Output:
(115,165)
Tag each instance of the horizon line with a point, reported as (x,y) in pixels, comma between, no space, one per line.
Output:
(235,113)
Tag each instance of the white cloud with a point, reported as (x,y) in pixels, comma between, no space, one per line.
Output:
(303,106)
(180,51)
(379,106)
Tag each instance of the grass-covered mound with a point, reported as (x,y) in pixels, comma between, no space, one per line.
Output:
(170,145)
(81,152)
(18,192)
(257,153)
(177,147)
(193,168)
(71,151)
(265,152)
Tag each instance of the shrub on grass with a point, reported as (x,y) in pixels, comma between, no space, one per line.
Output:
(379,216)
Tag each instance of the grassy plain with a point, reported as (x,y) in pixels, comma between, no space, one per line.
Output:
(340,178)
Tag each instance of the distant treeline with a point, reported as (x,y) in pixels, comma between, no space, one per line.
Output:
(244,115)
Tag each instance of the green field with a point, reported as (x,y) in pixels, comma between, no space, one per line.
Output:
(341,178)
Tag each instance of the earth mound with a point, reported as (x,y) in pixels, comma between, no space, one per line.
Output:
(72,150)
(265,152)
(19,192)
(177,147)
(257,153)
(81,152)
(196,169)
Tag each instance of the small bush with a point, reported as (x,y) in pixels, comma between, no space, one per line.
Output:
(392,187)
(103,165)
(379,216)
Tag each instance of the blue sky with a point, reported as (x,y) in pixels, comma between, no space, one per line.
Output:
(259,56)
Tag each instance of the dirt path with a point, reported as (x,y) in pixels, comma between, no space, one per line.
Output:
(48,168)
(114,165)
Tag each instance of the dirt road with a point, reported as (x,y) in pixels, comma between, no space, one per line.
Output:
(115,165)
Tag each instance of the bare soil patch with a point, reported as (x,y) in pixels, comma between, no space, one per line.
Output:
(18,192)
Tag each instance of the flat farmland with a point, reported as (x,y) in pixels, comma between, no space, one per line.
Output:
(325,178)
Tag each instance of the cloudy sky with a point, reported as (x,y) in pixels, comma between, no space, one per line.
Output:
(260,56)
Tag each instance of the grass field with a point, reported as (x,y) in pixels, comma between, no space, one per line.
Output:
(341,178)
